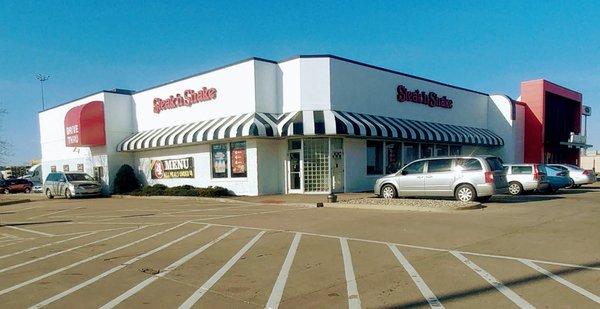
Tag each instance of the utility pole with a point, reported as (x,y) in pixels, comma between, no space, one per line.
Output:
(42,78)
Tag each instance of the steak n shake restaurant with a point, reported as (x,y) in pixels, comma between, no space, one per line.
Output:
(309,124)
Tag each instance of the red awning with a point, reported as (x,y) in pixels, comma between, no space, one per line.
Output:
(84,125)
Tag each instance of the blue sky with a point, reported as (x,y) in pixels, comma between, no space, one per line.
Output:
(86,46)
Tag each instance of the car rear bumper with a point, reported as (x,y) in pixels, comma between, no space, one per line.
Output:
(490,189)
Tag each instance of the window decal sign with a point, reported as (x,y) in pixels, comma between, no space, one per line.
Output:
(172,168)
(430,99)
(188,98)
(238,159)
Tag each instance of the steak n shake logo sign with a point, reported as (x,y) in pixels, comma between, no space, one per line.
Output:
(430,99)
(189,98)
(172,168)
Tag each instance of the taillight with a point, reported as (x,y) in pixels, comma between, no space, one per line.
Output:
(586,172)
(489,177)
(536,172)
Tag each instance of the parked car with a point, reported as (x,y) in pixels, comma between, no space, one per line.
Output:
(14,185)
(71,184)
(37,187)
(526,177)
(557,178)
(578,175)
(467,178)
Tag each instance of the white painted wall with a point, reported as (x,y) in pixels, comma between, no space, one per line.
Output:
(290,85)
(511,130)
(202,168)
(367,90)
(271,165)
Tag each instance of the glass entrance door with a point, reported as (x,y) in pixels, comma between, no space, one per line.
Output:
(294,171)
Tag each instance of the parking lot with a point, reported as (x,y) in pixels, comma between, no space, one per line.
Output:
(526,251)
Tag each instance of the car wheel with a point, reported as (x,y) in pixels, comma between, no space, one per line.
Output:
(515,188)
(6,191)
(465,193)
(49,194)
(27,190)
(388,191)
(68,194)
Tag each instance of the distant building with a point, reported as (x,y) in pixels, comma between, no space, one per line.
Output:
(591,160)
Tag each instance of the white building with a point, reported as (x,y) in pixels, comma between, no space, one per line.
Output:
(307,124)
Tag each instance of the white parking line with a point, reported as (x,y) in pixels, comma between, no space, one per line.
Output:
(279,286)
(514,297)
(29,231)
(562,281)
(351,286)
(63,251)
(53,213)
(163,273)
(414,275)
(114,269)
(199,221)
(22,284)
(210,282)
(45,245)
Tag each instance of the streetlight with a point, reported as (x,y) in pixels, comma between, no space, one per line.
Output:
(42,78)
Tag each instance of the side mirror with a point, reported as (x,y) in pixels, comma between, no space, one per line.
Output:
(403,173)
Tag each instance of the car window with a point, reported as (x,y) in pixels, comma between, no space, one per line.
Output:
(79,177)
(495,163)
(414,168)
(575,167)
(522,169)
(468,164)
(438,166)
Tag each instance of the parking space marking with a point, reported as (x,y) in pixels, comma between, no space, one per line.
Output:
(64,251)
(514,297)
(199,221)
(53,213)
(167,270)
(416,278)
(351,286)
(29,231)
(210,282)
(114,269)
(562,281)
(46,245)
(22,284)
(279,286)
(95,231)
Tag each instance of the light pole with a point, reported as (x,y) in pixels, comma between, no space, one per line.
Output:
(42,78)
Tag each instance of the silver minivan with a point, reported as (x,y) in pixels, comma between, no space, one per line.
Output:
(71,184)
(526,177)
(467,178)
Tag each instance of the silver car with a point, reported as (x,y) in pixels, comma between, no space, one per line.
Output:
(578,175)
(526,177)
(467,178)
(71,184)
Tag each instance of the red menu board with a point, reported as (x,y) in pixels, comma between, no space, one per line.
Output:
(238,159)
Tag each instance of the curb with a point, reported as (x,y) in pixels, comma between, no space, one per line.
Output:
(402,207)
(12,202)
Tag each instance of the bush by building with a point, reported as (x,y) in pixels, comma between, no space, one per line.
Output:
(186,190)
(125,180)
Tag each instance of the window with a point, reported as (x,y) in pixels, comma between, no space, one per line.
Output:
(65,168)
(441,150)
(394,157)
(374,158)
(238,159)
(468,165)
(80,167)
(426,150)
(522,169)
(438,166)
(411,152)
(219,161)
(414,168)
(79,177)
(455,150)
(495,163)
(98,173)
(294,144)
(53,169)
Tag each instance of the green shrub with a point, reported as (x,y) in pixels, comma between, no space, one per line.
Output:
(125,180)
(185,190)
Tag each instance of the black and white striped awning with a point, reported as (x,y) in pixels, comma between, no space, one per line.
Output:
(251,124)
(307,123)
